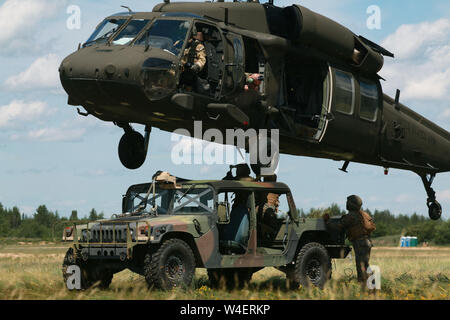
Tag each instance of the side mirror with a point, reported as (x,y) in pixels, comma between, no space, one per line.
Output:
(124,203)
(223,213)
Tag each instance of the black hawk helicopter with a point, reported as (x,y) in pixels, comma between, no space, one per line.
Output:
(266,67)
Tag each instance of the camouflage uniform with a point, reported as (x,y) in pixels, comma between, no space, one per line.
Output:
(269,225)
(193,63)
(195,54)
(357,234)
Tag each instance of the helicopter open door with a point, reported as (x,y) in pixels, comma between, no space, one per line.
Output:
(307,92)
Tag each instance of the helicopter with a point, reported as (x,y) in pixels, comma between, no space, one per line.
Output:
(267,67)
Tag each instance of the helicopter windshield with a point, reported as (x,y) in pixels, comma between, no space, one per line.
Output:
(168,35)
(130,32)
(104,31)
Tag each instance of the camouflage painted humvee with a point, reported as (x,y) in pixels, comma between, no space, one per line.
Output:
(172,226)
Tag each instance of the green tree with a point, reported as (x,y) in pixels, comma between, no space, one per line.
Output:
(93,215)
(43,216)
(74,215)
(442,233)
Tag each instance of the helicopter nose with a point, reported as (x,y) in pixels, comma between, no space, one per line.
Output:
(100,79)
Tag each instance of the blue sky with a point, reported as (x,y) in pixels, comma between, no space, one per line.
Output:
(50,155)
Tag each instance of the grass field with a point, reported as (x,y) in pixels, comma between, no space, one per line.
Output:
(33,271)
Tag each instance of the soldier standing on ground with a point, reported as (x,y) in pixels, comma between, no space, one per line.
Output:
(358,226)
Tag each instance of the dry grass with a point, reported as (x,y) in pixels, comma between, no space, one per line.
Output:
(34,272)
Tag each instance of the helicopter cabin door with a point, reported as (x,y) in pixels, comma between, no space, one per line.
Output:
(305,113)
(234,63)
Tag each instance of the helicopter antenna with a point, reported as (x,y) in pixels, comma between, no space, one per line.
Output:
(128,8)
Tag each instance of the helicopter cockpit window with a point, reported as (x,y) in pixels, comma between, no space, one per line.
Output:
(104,31)
(369,100)
(168,35)
(345,92)
(130,32)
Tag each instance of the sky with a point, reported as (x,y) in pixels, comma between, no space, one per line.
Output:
(50,155)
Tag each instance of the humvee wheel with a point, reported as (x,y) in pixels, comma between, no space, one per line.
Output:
(89,276)
(70,260)
(171,266)
(102,278)
(230,278)
(312,266)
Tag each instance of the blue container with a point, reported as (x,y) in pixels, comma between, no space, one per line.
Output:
(402,242)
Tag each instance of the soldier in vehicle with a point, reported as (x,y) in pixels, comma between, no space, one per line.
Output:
(268,213)
(358,226)
(193,61)
(239,226)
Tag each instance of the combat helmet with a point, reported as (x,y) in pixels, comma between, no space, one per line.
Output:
(354,203)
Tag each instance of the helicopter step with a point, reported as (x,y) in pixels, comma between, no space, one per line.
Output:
(133,147)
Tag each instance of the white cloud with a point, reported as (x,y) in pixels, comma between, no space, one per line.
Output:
(42,73)
(18,18)
(56,134)
(443,195)
(446,113)
(421,68)
(404,198)
(409,39)
(19,111)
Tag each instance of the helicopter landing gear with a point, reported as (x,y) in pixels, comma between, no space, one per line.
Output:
(133,147)
(434,207)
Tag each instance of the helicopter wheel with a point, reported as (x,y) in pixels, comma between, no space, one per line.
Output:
(434,210)
(132,150)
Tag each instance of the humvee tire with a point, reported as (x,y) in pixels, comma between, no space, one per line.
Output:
(234,278)
(171,266)
(90,275)
(312,266)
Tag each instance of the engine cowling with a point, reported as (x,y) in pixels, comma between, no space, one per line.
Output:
(331,38)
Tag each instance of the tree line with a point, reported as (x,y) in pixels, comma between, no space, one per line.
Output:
(388,224)
(47,225)
(43,224)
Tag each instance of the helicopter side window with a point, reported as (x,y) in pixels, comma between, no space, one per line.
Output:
(168,35)
(104,31)
(369,100)
(345,92)
(130,32)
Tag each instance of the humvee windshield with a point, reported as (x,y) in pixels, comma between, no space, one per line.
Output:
(187,200)
(104,31)
(168,35)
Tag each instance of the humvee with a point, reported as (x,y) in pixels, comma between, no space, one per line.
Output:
(171,226)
